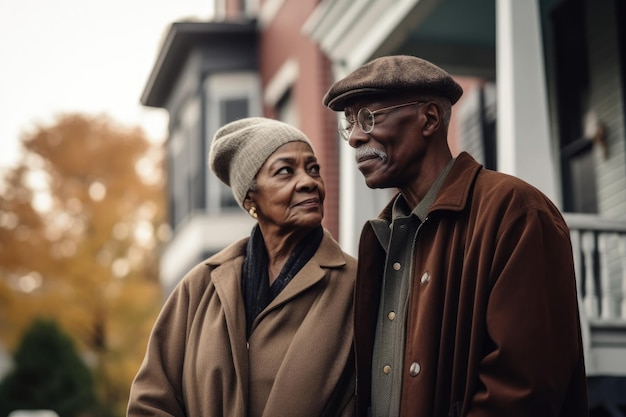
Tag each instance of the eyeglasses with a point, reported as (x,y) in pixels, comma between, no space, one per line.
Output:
(365,118)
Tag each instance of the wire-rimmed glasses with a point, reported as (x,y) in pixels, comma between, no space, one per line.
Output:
(365,119)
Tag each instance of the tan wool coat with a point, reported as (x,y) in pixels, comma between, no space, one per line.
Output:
(297,362)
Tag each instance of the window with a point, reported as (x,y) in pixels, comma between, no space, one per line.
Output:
(230,96)
(286,109)
(572,96)
(231,109)
(185,166)
(477,122)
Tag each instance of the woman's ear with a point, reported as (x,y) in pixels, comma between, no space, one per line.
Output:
(247,202)
(250,207)
(432,112)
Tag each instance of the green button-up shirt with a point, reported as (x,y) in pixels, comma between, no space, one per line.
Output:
(398,237)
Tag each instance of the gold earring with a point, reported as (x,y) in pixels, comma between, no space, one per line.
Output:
(252,212)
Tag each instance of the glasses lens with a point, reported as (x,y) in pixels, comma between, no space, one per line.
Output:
(345,128)
(365,118)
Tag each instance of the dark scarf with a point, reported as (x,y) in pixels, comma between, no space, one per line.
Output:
(257,293)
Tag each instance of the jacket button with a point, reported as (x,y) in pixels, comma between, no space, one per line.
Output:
(414,369)
(391,315)
(386,369)
(425,278)
(397,266)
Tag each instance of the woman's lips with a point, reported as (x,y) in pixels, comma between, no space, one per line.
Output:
(309,202)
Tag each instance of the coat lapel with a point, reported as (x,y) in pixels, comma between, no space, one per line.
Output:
(311,273)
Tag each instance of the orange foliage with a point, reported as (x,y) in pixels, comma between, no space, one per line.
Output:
(79,237)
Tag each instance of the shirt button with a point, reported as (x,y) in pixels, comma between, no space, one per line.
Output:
(415,369)
(397,266)
(391,315)
(386,369)
(425,278)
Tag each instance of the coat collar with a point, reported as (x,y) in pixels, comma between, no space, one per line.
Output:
(226,276)
(328,255)
(456,188)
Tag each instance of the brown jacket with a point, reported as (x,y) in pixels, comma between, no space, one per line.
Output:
(298,361)
(492,316)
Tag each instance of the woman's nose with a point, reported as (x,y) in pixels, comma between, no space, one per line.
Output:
(306,181)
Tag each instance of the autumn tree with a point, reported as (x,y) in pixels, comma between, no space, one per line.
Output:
(81,222)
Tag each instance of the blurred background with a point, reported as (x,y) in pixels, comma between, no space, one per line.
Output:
(107,110)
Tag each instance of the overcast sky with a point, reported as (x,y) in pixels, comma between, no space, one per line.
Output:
(88,56)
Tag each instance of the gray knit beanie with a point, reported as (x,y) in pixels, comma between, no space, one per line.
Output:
(240,148)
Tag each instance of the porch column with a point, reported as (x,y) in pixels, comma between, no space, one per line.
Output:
(524,145)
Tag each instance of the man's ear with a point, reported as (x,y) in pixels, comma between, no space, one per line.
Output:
(432,112)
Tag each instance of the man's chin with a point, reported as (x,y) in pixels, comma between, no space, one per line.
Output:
(374,183)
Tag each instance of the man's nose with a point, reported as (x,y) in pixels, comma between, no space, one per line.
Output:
(357,137)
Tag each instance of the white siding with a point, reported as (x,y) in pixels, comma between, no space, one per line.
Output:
(606,102)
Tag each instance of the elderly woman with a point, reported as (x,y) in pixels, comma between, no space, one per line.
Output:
(262,328)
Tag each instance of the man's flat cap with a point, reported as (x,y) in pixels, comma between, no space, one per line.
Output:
(388,74)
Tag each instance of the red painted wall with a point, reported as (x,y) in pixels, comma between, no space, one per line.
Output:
(281,40)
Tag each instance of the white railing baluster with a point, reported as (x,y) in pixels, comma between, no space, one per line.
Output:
(599,250)
(621,247)
(607,305)
(575,239)
(591,297)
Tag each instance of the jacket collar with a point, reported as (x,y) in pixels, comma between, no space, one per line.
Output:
(328,255)
(455,190)
(227,273)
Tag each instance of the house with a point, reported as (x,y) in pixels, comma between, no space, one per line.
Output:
(545,88)
(241,64)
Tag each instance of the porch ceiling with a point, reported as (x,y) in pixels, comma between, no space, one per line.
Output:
(460,22)
(456,34)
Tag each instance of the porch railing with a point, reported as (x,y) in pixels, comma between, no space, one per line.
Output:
(599,248)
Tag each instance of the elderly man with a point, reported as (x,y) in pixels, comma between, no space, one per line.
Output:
(465,299)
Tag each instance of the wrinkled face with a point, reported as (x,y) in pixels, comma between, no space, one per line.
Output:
(390,155)
(290,191)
